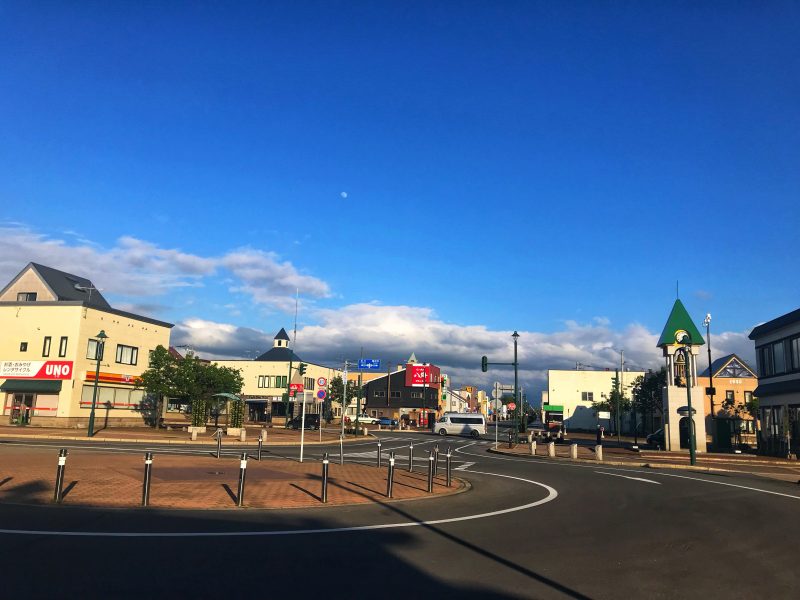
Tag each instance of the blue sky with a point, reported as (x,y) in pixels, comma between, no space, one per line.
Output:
(550,167)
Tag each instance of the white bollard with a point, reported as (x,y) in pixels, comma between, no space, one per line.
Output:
(530,437)
(551,449)
(533,448)
(194,435)
(243,435)
(573,451)
(598,452)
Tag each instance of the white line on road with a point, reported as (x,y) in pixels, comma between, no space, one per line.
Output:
(552,494)
(627,477)
(464,467)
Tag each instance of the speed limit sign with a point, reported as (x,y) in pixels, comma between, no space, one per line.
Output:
(322,382)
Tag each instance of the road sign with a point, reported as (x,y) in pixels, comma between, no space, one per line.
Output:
(369,364)
(511,406)
(296,387)
(321,394)
(496,404)
(603,414)
(322,382)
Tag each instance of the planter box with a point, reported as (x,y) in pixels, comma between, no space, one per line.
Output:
(202,429)
(237,431)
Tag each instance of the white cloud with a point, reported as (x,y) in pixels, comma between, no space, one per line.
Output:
(392,333)
(137,268)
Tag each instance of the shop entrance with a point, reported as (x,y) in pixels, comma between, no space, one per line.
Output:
(22,408)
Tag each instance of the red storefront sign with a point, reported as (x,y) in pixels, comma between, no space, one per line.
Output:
(423,375)
(113,378)
(36,369)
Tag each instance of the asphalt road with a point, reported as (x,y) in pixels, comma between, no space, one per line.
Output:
(526,529)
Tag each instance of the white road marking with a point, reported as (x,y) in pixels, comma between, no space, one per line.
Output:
(627,477)
(464,467)
(652,472)
(552,494)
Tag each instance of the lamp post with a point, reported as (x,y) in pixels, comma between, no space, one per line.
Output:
(101,343)
(707,323)
(518,410)
(686,340)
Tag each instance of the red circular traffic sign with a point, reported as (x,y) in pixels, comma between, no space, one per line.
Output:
(511,406)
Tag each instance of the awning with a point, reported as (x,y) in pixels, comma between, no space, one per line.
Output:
(553,408)
(41,386)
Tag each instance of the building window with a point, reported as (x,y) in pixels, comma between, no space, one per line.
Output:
(62,346)
(394,394)
(748,397)
(261,381)
(587,396)
(778,358)
(764,356)
(380,393)
(794,350)
(91,350)
(46,346)
(308,383)
(127,355)
(416,394)
(23,346)
(26,297)
(729,395)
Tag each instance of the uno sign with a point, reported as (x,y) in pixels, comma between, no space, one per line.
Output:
(36,369)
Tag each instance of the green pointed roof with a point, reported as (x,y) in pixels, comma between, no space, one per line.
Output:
(679,319)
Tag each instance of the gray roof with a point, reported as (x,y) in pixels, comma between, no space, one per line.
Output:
(71,288)
(770,326)
(282,335)
(721,362)
(279,355)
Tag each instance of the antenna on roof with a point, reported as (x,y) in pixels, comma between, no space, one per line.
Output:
(86,288)
(677,290)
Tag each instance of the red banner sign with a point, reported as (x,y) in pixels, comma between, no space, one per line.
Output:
(36,369)
(422,375)
(297,387)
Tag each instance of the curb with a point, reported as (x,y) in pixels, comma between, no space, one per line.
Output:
(618,463)
(171,442)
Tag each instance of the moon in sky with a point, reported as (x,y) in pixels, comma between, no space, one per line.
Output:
(343,194)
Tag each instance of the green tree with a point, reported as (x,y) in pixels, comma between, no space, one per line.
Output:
(615,401)
(336,391)
(197,381)
(159,380)
(648,396)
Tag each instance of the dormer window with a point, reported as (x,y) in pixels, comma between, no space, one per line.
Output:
(26,297)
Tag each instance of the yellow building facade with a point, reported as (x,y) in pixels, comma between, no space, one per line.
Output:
(49,326)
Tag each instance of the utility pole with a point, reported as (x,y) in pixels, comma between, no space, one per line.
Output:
(344,395)
(621,388)
(518,411)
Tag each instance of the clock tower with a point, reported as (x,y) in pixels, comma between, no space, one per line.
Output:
(680,343)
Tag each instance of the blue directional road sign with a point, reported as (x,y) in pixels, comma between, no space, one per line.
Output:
(369,364)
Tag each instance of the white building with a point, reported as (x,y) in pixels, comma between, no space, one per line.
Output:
(571,393)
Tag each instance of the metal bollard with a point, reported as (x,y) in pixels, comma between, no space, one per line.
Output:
(260,443)
(378,457)
(510,437)
(390,478)
(449,467)
(242,472)
(430,471)
(410,457)
(219,441)
(533,448)
(573,451)
(436,461)
(325,477)
(62,463)
(148,466)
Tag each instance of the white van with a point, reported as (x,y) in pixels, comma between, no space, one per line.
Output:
(473,424)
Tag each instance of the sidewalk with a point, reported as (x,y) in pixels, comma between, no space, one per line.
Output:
(774,468)
(275,436)
(191,482)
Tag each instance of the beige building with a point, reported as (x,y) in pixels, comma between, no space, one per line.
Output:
(50,321)
(265,380)
(570,394)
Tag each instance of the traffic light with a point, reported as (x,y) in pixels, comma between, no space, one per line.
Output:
(484,364)
(302,368)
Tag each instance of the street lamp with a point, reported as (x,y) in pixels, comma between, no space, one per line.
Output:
(684,338)
(707,323)
(518,411)
(101,343)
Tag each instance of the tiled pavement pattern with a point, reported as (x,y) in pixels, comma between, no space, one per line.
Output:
(192,482)
(274,435)
(775,468)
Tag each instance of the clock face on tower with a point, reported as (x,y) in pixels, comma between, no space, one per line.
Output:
(681,336)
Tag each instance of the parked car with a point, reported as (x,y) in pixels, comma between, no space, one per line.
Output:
(387,422)
(362,419)
(656,438)
(461,424)
(311,423)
